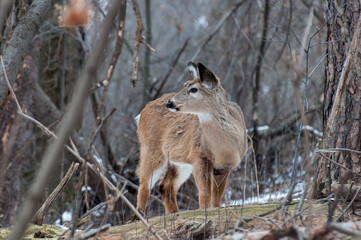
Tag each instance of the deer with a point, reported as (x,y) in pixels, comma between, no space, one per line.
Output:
(196,130)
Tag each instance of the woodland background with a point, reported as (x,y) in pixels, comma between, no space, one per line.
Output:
(292,66)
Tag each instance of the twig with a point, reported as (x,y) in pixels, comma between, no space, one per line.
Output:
(170,70)
(8,83)
(102,121)
(137,40)
(338,164)
(350,204)
(212,33)
(142,40)
(38,218)
(55,148)
(331,150)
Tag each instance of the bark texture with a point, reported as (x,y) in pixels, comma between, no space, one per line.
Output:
(20,41)
(15,151)
(345,132)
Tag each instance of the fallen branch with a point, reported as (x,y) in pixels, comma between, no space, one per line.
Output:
(39,216)
(92,232)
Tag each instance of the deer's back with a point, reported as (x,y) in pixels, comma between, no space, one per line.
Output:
(176,135)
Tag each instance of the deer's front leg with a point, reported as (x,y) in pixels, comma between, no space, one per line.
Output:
(202,176)
(218,185)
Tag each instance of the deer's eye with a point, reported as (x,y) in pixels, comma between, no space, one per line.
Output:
(193,90)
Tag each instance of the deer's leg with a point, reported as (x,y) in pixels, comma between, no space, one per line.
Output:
(177,174)
(167,191)
(149,172)
(202,176)
(218,185)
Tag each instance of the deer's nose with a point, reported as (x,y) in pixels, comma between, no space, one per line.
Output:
(170,104)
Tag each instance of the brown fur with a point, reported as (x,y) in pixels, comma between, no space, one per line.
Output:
(169,138)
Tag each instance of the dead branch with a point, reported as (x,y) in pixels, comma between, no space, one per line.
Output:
(137,40)
(38,218)
(113,61)
(95,133)
(66,126)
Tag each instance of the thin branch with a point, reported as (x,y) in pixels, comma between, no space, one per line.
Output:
(96,132)
(171,69)
(212,33)
(350,204)
(331,150)
(137,40)
(338,164)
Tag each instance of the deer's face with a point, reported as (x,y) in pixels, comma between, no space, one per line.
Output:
(200,95)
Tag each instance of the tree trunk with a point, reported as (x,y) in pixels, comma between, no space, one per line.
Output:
(342,113)
(16,134)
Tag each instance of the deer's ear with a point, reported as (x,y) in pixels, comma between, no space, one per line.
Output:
(192,70)
(207,77)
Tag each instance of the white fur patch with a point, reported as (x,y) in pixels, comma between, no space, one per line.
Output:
(156,175)
(184,171)
(192,71)
(136,119)
(204,117)
(172,110)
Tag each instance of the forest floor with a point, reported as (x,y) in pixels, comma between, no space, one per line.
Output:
(255,221)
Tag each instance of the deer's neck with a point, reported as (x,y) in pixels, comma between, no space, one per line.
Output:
(220,139)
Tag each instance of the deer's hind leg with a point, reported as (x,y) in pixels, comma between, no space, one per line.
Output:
(151,168)
(176,175)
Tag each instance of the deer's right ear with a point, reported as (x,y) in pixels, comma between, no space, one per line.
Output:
(192,70)
(207,77)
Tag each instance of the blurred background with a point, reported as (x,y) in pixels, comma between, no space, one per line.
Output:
(255,47)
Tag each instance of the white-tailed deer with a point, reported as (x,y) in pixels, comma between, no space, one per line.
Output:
(194,131)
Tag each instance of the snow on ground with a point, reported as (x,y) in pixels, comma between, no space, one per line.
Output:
(267,197)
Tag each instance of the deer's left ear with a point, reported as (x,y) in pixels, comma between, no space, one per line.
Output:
(207,77)
(192,70)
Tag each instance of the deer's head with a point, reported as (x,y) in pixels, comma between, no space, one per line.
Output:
(203,96)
